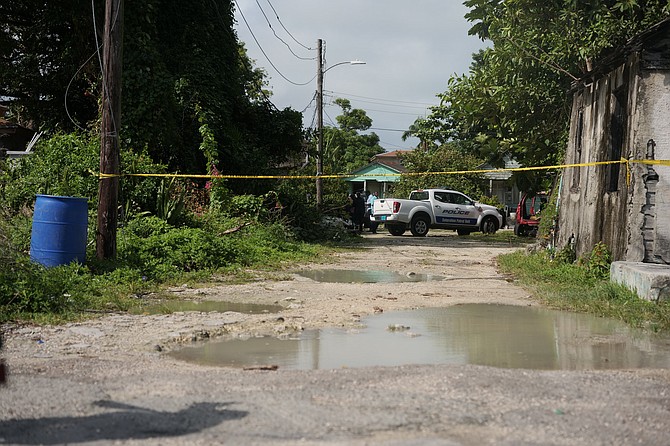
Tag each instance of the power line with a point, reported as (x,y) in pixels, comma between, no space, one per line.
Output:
(310,103)
(381,99)
(389,130)
(287,31)
(390,105)
(265,54)
(391,112)
(279,38)
(379,111)
(391,144)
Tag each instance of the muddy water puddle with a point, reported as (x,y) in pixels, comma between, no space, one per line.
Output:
(173,306)
(492,335)
(354,276)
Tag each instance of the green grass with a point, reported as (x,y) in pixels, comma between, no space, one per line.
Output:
(572,287)
(506,237)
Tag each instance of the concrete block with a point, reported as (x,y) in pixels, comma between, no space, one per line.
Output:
(651,281)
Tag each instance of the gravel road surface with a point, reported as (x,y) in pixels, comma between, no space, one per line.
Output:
(110,381)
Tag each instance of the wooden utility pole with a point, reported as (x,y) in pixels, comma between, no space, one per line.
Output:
(108,189)
(319,123)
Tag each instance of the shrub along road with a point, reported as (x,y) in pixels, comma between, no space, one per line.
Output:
(109,380)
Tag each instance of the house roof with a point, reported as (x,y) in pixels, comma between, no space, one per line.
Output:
(376,171)
(510,163)
(391,159)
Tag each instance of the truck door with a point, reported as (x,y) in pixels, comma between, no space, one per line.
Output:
(455,209)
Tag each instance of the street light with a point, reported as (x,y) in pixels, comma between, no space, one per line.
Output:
(319,122)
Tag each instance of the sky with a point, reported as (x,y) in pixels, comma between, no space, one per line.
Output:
(410,50)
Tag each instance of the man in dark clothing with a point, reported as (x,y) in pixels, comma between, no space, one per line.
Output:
(359,211)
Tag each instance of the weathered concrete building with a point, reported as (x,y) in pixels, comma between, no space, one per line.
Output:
(621,110)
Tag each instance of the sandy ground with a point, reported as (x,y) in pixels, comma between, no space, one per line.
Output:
(110,381)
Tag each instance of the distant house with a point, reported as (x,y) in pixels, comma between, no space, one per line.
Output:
(500,183)
(384,169)
(14,139)
(620,110)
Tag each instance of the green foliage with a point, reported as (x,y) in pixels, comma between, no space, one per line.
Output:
(446,158)
(138,194)
(150,252)
(344,149)
(598,261)
(515,98)
(170,200)
(181,60)
(245,206)
(492,201)
(62,165)
(566,254)
(549,217)
(66,164)
(569,286)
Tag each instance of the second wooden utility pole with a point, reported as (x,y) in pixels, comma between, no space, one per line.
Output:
(108,189)
(319,123)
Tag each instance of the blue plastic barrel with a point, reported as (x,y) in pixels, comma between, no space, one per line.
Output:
(59,230)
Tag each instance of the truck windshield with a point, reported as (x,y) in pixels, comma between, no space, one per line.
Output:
(419,195)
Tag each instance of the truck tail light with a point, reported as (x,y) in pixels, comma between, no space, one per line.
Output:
(396,207)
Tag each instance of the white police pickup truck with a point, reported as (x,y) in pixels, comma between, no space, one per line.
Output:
(437,209)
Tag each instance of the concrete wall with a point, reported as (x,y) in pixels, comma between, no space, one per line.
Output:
(631,219)
(588,208)
(649,231)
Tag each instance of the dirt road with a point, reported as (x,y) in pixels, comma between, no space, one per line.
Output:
(110,381)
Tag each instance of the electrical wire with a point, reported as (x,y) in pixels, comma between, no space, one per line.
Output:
(380,99)
(312,126)
(390,105)
(279,38)
(391,112)
(287,31)
(388,130)
(310,103)
(329,118)
(265,54)
(67,89)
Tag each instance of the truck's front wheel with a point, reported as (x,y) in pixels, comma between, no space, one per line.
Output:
(420,226)
(489,225)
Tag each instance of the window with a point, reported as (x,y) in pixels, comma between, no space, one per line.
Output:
(579,138)
(618,122)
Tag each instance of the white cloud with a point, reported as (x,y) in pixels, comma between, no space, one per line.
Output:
(411,48)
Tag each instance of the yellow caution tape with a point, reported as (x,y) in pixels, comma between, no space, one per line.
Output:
(450,172)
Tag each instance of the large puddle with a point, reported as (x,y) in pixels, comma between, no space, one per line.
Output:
(354,276)
(173,306)
(491,335)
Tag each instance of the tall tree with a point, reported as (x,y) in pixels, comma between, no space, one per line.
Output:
(515,97)
(345,149)
(183,68)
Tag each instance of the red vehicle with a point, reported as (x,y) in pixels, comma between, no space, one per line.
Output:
(528,213)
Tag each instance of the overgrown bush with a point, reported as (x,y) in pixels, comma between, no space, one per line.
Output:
(62,165)
(67,165)
(598,261)
(164,235)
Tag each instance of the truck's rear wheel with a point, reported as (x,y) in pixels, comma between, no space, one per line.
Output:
(420,226)
(395,229)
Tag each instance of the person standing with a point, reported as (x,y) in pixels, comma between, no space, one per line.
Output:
(369,211)
(359,211)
